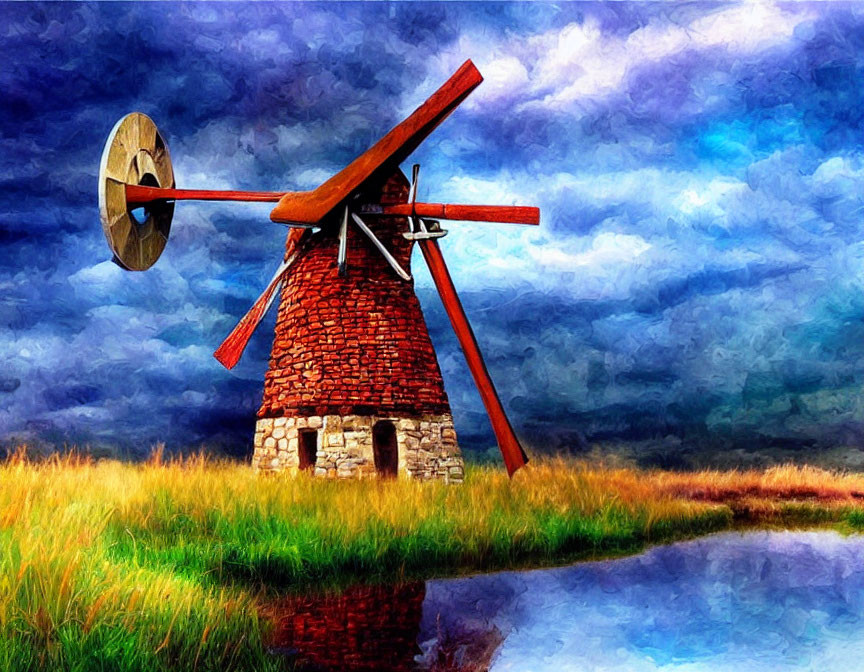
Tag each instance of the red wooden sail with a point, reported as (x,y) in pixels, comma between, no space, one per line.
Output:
(511,449)
(378,162)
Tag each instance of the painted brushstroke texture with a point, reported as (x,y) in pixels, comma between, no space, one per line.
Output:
(697,275)
(756,602)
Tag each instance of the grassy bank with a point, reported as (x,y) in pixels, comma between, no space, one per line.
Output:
(105,565)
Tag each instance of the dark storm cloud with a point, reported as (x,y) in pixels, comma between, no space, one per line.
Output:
(109,357)
(699,167)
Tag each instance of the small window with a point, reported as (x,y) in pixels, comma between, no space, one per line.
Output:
(308,448)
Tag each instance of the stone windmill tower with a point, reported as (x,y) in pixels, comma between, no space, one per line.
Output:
(353,387)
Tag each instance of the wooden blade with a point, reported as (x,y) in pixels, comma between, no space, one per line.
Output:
(310,207)
(509,214)
(137,194)
(229,353)
(511,450)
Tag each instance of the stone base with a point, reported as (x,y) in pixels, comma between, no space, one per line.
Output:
(334,446)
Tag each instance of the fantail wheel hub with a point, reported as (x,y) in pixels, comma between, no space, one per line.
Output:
(136,154)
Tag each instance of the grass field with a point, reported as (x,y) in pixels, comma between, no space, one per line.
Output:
(162,565)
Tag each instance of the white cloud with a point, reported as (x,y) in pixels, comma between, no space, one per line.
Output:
(606,248)
(569,66)
(502,78)
(312,178)
(658,220)
(708,198)
(583,63)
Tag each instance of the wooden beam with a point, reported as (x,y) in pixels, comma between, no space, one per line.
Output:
(137,194)
(310,207)
(511,449)
(510,214)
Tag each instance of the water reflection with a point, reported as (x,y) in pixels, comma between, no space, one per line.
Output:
(363,628)
(732,602)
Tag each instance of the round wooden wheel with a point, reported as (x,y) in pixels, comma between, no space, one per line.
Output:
(135,153)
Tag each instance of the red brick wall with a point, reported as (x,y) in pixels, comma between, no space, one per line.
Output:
(356,344)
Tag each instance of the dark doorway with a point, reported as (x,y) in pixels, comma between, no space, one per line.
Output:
(308,448)
(385,448)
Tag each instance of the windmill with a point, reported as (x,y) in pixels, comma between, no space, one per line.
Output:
(353,386)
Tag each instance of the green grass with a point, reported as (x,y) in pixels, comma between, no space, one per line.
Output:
(294,534)
(158,566)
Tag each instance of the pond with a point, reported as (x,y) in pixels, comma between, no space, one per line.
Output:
(739,602)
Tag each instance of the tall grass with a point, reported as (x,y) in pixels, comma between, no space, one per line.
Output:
(66,604)
(157,566)
(225,525)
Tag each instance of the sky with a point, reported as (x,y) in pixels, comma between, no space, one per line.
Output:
(696,278)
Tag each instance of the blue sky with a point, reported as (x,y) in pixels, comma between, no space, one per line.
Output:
(696,277)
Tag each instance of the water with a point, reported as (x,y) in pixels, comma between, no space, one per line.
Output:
(731,602)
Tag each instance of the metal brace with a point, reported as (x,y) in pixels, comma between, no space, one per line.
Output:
(417,226)
(342,257)
(383,250)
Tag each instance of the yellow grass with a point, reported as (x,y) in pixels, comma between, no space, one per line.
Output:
(783,482)
(160,565)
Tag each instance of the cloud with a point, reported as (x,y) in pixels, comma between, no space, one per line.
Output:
(699,170)
(581,61)
(606,248)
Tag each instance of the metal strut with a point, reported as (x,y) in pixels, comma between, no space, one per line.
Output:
(383,250)
(342,257)
(417,225)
